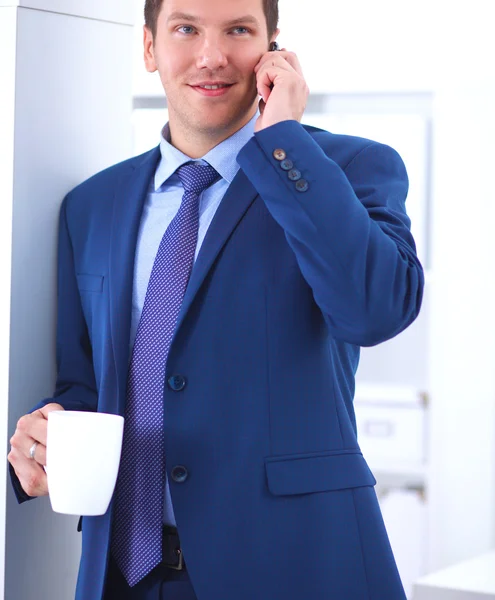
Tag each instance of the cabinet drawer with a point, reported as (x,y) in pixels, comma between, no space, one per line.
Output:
(392,432)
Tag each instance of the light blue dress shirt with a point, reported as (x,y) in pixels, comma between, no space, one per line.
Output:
(161,205)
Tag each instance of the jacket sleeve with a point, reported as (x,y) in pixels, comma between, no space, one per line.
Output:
(75,387)
(349,230)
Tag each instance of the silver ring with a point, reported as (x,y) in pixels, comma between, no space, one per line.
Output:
(32,450)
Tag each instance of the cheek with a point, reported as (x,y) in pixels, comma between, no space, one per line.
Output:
(249,58)
(173,68)
(246,67)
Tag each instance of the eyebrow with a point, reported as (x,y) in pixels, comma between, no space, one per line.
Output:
(248,19)
(180,16)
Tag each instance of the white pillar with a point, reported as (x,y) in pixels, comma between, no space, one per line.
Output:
(65,113)
(462,482)
(461,491)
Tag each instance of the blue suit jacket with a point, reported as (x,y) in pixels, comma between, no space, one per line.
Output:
(279,502)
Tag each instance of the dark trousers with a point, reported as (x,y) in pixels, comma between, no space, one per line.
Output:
(161,584)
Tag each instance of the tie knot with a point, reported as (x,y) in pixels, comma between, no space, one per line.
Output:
(195,177)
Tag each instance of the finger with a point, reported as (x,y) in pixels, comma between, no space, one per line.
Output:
(262,60)
(293,60)
(39,454)
(24,435)
(32,476)
(39,425)
(48,408)
(267,77)
(275,59)
(264,84)
(23,444)
(30,428)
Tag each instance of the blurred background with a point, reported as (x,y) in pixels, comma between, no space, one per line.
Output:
(416,75)
(419,77)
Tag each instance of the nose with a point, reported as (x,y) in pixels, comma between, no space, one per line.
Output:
(212,55)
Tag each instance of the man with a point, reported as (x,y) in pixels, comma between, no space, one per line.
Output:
(246,260)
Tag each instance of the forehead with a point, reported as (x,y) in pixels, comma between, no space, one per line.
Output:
(214,10)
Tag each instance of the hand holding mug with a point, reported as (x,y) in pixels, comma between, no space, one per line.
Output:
(28,450)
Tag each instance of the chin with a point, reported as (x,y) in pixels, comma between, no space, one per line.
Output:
(216,124)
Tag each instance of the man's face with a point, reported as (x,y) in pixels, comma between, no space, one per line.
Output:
(201,44)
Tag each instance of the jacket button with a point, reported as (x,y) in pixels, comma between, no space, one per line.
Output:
(179,474)
(177,383)
(287,165)
(302,185)
(280,154)
(294,175)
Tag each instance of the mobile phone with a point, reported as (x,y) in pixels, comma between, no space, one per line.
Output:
(274,47)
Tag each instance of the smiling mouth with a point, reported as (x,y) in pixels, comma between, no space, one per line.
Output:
(212,86)
(212,90)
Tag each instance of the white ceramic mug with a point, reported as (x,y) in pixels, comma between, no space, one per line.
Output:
(82,460)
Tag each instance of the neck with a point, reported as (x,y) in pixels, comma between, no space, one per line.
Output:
(196,143)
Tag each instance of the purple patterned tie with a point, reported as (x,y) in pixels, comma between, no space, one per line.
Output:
(139,496)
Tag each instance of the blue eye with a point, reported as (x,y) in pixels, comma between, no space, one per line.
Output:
(241,30)
(186,27)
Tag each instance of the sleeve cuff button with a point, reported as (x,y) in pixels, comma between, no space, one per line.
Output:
(287,165)
(302,185)
(294,175)
(280,154)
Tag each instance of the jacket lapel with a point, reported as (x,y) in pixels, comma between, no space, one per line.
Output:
(238,198)
(127,209)
(128,206)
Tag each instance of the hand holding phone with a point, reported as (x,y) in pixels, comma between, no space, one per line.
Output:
(282,87)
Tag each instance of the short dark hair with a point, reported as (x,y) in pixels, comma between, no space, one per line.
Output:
(152,10)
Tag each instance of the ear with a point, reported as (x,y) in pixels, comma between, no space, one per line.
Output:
(275,35)
(149,50)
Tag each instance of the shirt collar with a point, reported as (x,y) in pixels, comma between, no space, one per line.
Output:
(222,157)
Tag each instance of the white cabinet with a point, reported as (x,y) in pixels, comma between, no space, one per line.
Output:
(391,423)
(470,580)
(405,515)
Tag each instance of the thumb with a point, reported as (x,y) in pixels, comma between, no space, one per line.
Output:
(45,410)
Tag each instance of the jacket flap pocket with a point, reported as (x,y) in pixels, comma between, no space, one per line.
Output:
(306,473)
(90,283)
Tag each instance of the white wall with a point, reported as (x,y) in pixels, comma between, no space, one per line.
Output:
(462,368)
(462,342)
(112,11)
(8,21)
(72,90)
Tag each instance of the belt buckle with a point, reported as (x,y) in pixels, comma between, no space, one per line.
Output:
(172,549)
(179,566)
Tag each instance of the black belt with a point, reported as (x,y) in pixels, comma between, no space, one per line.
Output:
(171,550)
